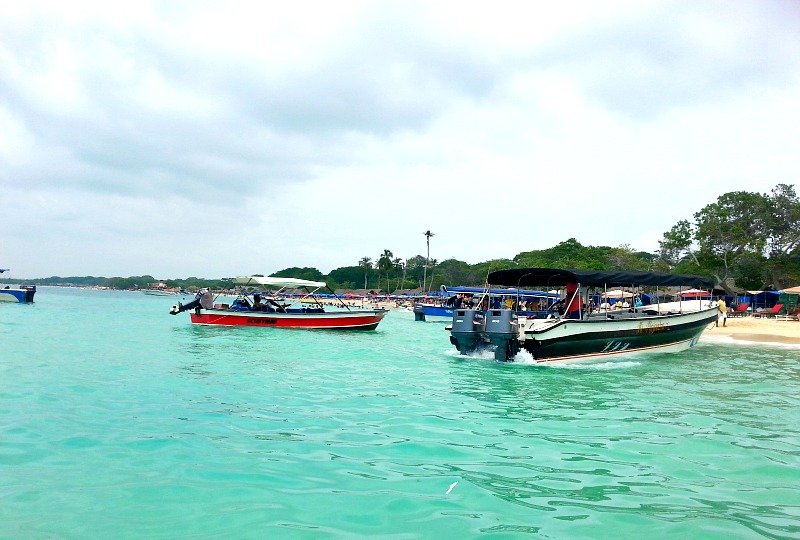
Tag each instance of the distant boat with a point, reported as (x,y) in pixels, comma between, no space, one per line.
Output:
(20,295)
(160,292)
(456,296)
(277,310)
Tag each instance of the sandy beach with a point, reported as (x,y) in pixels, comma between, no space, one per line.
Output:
(756,329)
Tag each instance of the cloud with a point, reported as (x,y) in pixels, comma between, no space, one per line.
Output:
(199,135)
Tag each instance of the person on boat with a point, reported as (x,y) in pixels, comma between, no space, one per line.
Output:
(574,301)
(240,304)
(257,303)
(206,298)
(280,308)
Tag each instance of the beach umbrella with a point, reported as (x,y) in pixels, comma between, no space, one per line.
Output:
(617,293)
(694,293)
(791,290)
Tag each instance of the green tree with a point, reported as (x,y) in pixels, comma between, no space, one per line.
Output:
(365,264)
(729,239)
(783,241)
(428,235)
(415,269)
(311,274)
(399,269)
(624,258)
(386,265)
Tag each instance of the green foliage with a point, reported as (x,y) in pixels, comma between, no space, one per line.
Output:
(749,239)
(351,277)
(571,254)
(311,274)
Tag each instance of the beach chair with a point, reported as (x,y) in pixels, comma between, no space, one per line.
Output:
(740,310)
(771,313)
(792,315)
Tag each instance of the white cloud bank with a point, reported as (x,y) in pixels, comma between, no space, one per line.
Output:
(210,139)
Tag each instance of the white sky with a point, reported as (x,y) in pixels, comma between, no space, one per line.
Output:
(214,139)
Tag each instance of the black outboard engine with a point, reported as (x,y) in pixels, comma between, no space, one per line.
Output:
(30,290)
(502,329)
(419,312)
(202,299)
(466,332)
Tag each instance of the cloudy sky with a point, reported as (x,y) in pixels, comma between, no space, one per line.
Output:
(215,139)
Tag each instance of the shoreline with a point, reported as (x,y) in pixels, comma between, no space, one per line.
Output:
(756,330)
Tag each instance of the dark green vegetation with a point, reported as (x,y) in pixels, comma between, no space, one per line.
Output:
(743,241)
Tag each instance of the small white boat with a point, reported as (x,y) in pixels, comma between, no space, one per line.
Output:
(160,292)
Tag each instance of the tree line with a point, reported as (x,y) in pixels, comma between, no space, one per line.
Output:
(743,241)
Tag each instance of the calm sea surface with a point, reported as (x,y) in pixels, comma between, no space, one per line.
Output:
(118,420)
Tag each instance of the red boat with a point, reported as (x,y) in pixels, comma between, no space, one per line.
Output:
(276,309)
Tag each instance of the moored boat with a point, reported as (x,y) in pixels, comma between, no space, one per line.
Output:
(160,292)
(528,301)
(580,333)
(276,309)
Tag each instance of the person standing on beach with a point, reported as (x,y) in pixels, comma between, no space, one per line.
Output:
(723,312)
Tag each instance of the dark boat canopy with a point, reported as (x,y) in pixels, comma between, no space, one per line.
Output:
(554,277)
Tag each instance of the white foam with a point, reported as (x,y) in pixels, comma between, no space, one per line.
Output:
(729,340)
(627,364)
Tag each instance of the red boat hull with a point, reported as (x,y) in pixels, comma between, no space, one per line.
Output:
(343,320)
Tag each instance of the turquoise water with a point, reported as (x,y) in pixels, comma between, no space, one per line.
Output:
(118,420)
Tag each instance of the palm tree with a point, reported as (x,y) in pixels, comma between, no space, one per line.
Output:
(385,264)
(366,264)
(399,266)
(428,235)
(434,262)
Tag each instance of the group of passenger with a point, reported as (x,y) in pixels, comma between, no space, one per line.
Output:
(260,303)
(572,306)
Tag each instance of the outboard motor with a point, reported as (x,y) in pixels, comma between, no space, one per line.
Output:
(502,329)
(419,312)
(202,299)
(466,332)
(30,290)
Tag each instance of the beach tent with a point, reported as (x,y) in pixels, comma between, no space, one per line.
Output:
(763,299)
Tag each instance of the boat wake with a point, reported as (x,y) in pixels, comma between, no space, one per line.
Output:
(525,358)
(479,354)
(598,366)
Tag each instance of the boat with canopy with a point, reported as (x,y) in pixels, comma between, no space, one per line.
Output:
(276,302)
(579,332)
(452,298)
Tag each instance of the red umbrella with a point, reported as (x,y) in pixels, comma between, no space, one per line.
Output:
(695,293)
